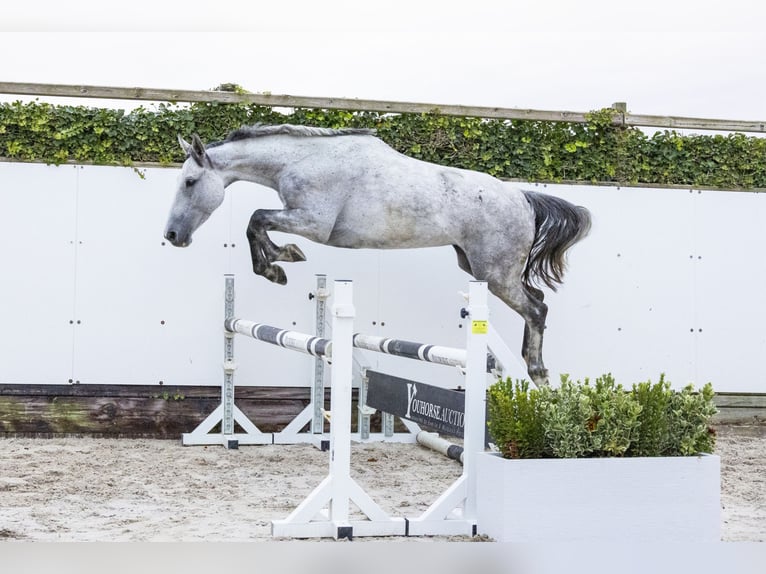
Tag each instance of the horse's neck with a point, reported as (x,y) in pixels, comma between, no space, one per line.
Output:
(258,160)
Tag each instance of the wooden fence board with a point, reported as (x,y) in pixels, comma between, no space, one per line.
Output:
(744,400)
(382,106)
(136,410)
(161,411)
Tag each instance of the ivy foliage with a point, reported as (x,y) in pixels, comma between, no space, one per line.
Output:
(601,419)
(596,151)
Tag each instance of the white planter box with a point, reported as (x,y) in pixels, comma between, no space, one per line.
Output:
(621,499)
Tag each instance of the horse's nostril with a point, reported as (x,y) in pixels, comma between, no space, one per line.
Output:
(170,236)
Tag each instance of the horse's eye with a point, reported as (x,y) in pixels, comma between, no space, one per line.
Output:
(190,181)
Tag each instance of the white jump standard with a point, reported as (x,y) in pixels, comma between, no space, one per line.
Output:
(227,413)
(325,512)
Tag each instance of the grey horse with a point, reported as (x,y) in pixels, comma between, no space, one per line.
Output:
(347,188)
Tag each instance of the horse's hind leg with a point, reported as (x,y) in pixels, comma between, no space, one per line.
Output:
(532,345)
(534,312)
(503,277)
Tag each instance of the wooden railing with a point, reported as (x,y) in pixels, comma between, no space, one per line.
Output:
(622,117)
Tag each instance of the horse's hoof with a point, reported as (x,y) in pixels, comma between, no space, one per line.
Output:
(276,274)
(291,253)
(539,377)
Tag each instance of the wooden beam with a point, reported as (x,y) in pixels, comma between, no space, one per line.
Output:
(157,411)
(282,101)
(682,123)
(382,106)
(741,400)
(140,411)
(740,408)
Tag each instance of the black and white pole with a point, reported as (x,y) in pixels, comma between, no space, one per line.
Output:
(410,350)
(227,398)
(320,296)
(293,340)
(437,354)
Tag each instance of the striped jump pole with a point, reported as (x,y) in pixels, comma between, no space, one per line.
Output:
(320,347)
(293,340)
(418,351)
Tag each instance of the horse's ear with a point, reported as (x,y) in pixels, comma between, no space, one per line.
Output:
(197,145)
(198,151)
(186,146)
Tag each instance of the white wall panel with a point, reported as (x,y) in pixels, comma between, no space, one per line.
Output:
(668,281)
(148,312)
(627,304)
(37,272)
(730,275)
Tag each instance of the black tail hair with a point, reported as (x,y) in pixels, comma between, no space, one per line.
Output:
(558,225)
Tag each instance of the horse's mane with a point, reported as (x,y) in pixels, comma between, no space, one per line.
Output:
(260,130)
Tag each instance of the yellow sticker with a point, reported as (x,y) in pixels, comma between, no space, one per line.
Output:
(479,327)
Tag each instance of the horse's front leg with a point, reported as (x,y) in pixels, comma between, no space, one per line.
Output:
(260,248)
(263,251)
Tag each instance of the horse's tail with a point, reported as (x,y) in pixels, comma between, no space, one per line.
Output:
(558,225)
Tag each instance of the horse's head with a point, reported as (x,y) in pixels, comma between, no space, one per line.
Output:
(200,191)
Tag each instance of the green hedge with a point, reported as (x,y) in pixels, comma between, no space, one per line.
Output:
(597,151)
(601,419)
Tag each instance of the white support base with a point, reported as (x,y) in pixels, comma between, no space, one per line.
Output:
(292,434)
(252,435)
(445,516)
(313,518)
(202,435)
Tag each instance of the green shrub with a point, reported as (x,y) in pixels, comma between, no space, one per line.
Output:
(600,419)
(690,414)
(615,423)
(654,438)
(514,415)
(567,415)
